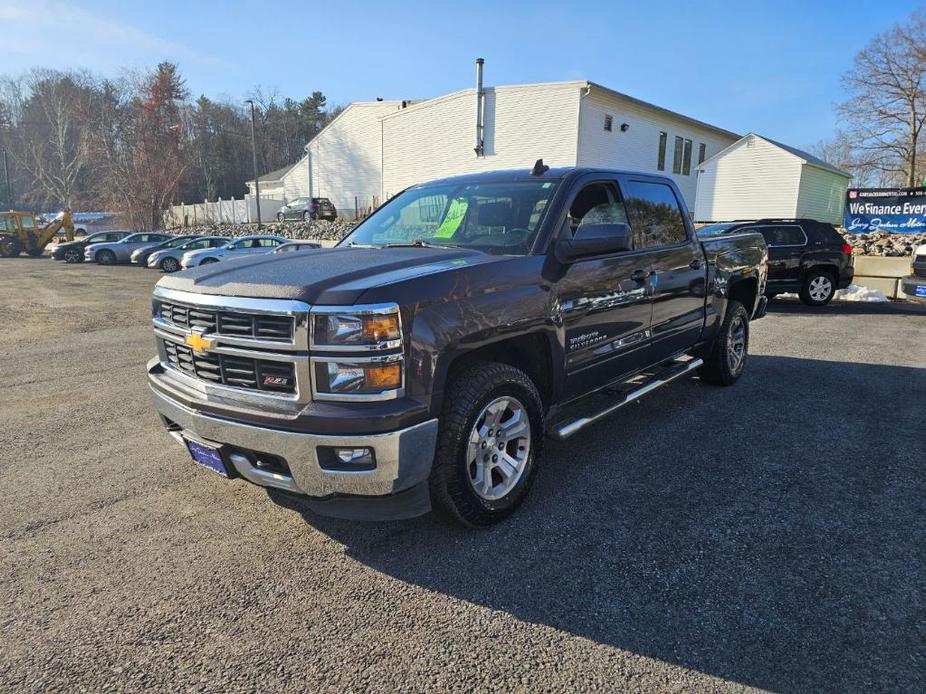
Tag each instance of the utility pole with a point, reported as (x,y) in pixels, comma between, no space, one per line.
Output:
(254,155)
(6,173)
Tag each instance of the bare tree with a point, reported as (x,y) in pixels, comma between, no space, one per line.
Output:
(886,108)
(50,132)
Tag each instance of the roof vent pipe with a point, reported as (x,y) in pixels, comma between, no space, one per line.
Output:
(480,108)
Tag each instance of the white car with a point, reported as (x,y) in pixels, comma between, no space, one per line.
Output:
(246,245)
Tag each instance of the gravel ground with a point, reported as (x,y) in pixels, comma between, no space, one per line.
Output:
(769,535)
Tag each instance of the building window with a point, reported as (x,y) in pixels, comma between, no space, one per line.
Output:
(677,157)
(686,159)
(661,162)
(702,153)
(608,123)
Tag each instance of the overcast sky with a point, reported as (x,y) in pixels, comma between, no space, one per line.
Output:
(767,67)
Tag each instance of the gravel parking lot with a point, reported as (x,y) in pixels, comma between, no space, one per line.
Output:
(769,535)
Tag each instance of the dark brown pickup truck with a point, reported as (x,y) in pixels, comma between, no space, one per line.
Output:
(422,361)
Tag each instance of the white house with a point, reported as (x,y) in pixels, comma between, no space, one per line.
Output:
(373,150)
(756,178)
(271,184)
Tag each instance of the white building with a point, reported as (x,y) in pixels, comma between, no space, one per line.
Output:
(271,184)
(756,178)
(373,150)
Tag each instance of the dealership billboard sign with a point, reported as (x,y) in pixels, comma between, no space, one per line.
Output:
(897,210)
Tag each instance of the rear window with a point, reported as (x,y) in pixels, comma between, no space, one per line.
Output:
(784,235)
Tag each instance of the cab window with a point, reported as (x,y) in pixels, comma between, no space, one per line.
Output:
(655,215)
(596,203)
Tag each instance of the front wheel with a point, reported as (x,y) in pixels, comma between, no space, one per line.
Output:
(105,257)
(170,264)
(727,359)
(280,217)
(818,289)
(9,246)
(206,261)
(491,430)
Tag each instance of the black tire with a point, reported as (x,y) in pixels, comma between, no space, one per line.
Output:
(36,252)
(306,216)
(719,368)
(207,261)
(73,255)
(9,246)
(280,217)
(819,288)
(452,492)
(105,257)
(170,264)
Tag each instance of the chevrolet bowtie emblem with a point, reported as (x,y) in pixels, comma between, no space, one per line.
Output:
(199,343)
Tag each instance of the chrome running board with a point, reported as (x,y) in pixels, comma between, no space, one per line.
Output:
(564,430)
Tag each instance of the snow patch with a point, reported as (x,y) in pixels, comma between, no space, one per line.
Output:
(855,292)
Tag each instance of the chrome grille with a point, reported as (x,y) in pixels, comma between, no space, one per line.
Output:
(232,370)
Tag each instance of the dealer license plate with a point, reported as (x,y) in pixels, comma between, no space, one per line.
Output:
(207,456)
(921,290)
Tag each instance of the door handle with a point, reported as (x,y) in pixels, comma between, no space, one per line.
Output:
(639,275)
(695,264)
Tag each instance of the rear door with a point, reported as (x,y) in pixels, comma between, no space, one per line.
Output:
(604,300)
(676,263)
(786,246)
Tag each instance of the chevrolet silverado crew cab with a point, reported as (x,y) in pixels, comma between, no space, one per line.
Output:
(421,362)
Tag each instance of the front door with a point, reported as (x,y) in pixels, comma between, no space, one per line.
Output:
(604,301)
(676,263)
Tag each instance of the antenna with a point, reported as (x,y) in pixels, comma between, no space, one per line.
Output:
(539,168)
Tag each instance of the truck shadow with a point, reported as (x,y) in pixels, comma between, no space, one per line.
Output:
(770,534)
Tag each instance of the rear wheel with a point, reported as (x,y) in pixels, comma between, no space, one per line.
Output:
(170,264)
(491,430)
(727,359)
(105,257)
(36,252)
(818,289)
(280,217)
(9,246)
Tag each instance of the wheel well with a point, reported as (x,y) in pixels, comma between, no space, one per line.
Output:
(745,291)
(831,269)
(530,353)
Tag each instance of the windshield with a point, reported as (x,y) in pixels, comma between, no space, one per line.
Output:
(493,217)
(714,229)
(176,243)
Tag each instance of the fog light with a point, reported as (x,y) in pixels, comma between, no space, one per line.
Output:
(346,458)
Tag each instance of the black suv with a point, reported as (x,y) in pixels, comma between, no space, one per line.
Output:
(308,208)
(804,256)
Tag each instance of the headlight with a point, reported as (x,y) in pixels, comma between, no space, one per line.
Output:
(380,377)
(365,328)
(376,331)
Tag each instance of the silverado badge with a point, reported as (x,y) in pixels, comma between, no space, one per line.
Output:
(199,343)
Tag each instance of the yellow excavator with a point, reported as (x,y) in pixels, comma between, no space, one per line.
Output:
(19,232)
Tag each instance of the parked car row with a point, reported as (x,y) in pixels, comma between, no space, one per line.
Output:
(168,252)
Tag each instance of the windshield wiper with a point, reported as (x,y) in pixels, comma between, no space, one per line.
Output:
(354,244)
(421,243)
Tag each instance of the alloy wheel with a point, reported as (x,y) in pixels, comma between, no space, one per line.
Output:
(72,255)
(498,448)
(736,345)
(820,288)
(170,264)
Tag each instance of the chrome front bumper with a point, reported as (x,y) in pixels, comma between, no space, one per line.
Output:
(403,458)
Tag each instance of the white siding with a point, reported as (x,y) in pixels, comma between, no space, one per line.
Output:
(822,195)
(637,149)
(752,180)
(345,159)
(434,139)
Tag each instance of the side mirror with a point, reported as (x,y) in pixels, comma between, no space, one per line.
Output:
(594,239)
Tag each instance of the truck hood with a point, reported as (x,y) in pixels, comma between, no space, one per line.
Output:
(336,276)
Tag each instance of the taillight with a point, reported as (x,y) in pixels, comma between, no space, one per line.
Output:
(846,248)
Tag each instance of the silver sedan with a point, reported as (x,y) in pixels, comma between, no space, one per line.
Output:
(168,259)
(241,247)
(121,251)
